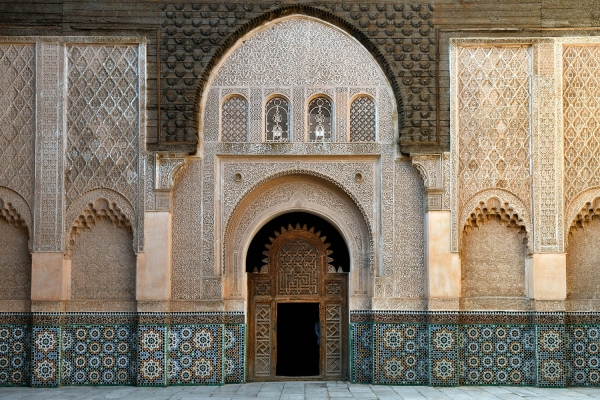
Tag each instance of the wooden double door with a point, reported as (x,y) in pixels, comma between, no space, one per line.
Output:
(297,310)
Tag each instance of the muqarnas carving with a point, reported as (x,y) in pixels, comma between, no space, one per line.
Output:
(493,257)
(583,256)
(15,259)
(101,246)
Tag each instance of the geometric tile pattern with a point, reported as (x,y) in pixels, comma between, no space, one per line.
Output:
(195,354)
(46,356)
(551,349)
(361,350)
(151,355)
(17,118)
(401,354)
(98,355)
(443,348)
(497,355)
(583,355)
(14,355)
(235,353)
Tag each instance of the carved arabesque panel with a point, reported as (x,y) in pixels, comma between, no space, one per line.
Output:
(581,116)
(102,120)
(494,121)
(17,118)
(295,59)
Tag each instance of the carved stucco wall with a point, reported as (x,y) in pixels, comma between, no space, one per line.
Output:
(104,129)
(493,102)
(402,284)
(493,266)
(186,270)
(103,263)
(15,261)
(17,118)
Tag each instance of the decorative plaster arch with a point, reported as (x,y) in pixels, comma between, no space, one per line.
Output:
(374,61)
(576,207)
(18,209)
(509,203)
(289,192)
(114,199)
(306,11)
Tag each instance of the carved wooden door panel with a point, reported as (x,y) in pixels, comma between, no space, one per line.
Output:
(297,270)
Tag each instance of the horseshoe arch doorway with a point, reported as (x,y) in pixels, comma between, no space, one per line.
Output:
(297,267)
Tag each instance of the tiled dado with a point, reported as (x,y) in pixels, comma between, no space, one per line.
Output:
(475,348)
(122,349)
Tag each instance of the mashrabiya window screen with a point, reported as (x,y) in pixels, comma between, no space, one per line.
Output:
(319,120)
(362,120)
(277,120)
(234,120)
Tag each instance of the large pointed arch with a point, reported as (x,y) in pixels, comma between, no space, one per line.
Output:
(245,30)
(289,193)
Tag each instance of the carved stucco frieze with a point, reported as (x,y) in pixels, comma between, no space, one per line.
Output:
(548,206)
(240,178)
(49,152)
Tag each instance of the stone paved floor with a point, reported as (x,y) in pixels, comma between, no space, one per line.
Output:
(299,391)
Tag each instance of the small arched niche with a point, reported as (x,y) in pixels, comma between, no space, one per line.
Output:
(103,261)
(583,259)
(15,258)
(494,252)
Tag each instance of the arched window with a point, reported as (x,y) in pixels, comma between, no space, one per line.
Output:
(277,120)
(362,120)
(320,128)
(234,120)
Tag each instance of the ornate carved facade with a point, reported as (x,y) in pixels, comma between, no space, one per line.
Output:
(459,172)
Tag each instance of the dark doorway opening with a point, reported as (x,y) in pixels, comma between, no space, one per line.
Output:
(298,341)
